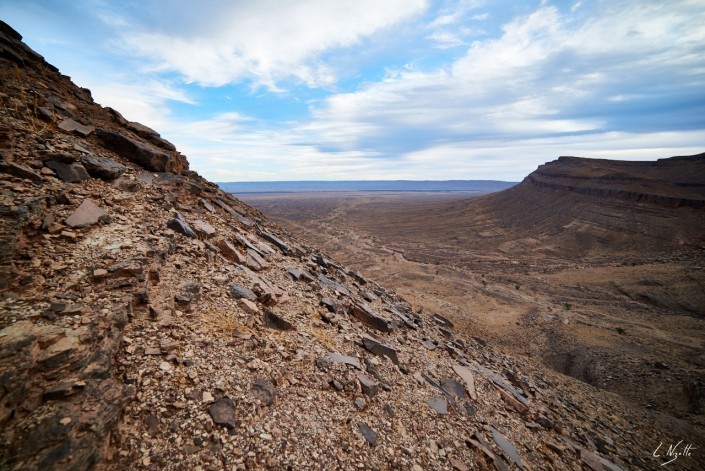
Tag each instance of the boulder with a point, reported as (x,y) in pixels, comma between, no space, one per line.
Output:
(71,173)
(240,292)
(179,224)
(102,167)
(142,154)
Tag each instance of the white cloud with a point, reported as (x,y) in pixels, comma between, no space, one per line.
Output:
(220,42)
(545,76)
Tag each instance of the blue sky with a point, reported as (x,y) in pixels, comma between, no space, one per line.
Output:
(271,90)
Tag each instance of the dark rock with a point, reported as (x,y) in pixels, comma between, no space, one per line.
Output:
(544,422)
(660,365)
(152,423)
(223,413)
(71,173)
(63,390)
(369,387)
(469,409)
(369,434)
(429,345)
(87,214)
(179,224)
(69,125)
(329,304)
(142,154)
(438,404)
(273,321)
(405,319)
(453,387)
(241,292)
(379,348)
(325,281)
(151,135)
(20,171)
(357,277)
(367,296)
(274,240)
(299,274)
(507,448)
(264,391)
(102,167)
(370,319)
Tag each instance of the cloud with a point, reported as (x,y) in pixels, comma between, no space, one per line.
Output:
(220,42)
(547,75)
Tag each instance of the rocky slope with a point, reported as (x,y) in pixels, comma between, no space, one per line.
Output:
(149,320)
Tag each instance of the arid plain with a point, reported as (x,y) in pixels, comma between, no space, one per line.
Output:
(604,287)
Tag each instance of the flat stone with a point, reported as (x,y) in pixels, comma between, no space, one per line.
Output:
(71,173)
(325,281)
(274,321)
(338,358)
(230,252)
(102,167)
(467,376)
(240,292)
(248,306)
(207,205)
(453,387)
(203,229)
(223,413)
(20,171)
(429,345)
(365,315)
(369,434)
(179,224)
(298,274)
(87,214)
(255,261)
(507,448)
(69,125)
(142,154)
(500,382)
(264,391)
(369,387)
(274,240)
(438,404)
(379,348)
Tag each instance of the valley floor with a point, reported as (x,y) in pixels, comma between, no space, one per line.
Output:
(627,324)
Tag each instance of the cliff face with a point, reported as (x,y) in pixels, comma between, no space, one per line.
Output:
(149,320)
(671,183)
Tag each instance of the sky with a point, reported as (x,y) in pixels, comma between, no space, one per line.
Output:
(280,90)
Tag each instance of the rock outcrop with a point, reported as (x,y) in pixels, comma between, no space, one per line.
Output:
(128,340)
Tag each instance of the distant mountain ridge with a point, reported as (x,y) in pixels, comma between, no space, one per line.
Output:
(366,185)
